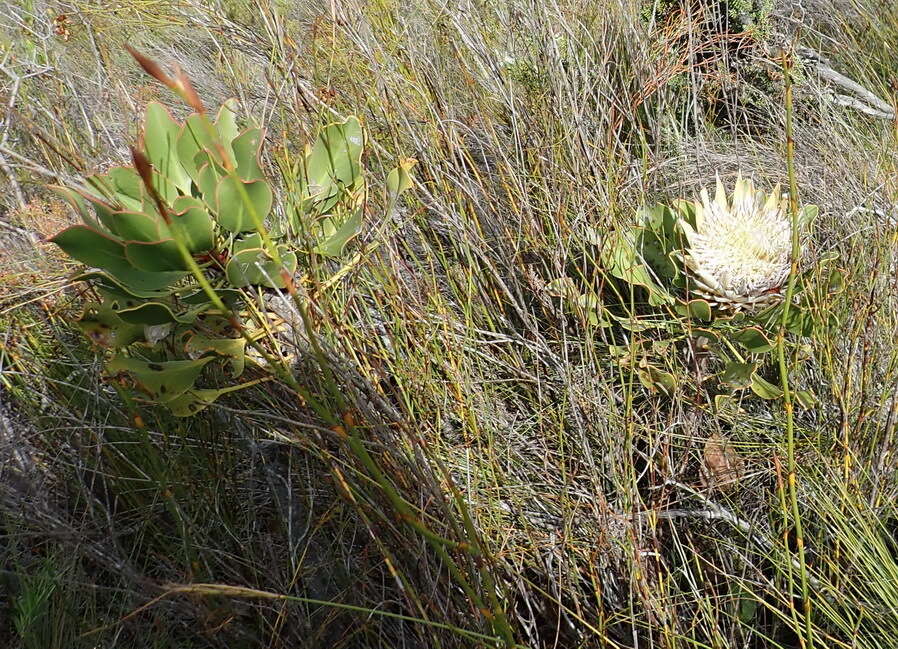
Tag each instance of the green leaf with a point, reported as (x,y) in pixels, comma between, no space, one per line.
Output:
(562,287)
(163,381)
(229,296)
(226,121)
(135,283)
(655,380)
(232,348)
(102,208)
(685,210)
(334,239)
(695,309)
(193,401)
(78,204)
(754,340)
(836,282)
(207,178)
(807,215)
(158,313)
(193,139)
(129,188)
(800,321)
(247,242)
(160,138)
(764,389)
(92,247)
(636,324)
(658,238)
(137,226)
(254,267)
(234,214)
(726,405)
(155,256)
(400,179)
(101,324)
(806,399)
(592,308)
(246,152)
(196,224)
(620,257)
(623,353)
(746,603)
(738,375)
(334,161)
(139,281)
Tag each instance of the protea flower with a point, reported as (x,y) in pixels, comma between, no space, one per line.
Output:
(738,253)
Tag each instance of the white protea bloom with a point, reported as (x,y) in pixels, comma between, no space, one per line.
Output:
(739,252)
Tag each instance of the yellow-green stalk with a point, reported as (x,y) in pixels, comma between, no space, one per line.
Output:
(808,640)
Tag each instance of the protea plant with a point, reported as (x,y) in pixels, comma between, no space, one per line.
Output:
(721,263)
(182,247)
(737,252)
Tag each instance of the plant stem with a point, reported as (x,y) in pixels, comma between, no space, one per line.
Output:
(808,640)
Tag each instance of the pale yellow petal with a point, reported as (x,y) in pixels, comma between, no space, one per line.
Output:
(721,197)
(706,201)
(773,200)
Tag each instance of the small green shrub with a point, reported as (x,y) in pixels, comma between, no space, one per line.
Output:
(737,15)
(177,244)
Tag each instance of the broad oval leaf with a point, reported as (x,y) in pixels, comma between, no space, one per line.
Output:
(620,257)
(92,247)
(254,267)
(137,226)
(738,375)
(655,380)
(246,147)
(696,309)
(155,256)
(232,348)
(163,381)
(247,242)
(193,401)
(334,160)
(135,283)
(207,178)
(754,340)
(230,296)
(128,186)
(333,238)
(194,138)
(102,325)
(102,207)
(160,139)
(400,178)
(765,389)
(196,226)
(234,213)
(157,313)
(807,215)
(226,121)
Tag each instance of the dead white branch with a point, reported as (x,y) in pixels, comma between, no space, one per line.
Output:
(852,95)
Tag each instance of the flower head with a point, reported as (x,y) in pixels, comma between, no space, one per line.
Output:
(738,252)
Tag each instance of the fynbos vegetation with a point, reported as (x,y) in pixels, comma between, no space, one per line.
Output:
(487,324)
